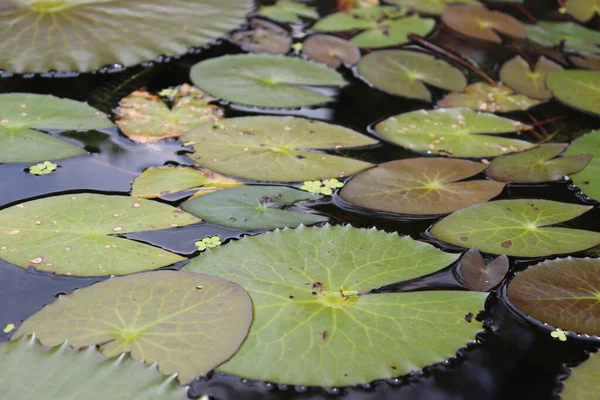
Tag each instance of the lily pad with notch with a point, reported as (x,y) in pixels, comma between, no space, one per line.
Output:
(517,74)
(263,37)
(330,50)
(479,275)
(483,24)
(572,36)
(433,6)
(288,11)
(578,89)
(588,180)
(482,96)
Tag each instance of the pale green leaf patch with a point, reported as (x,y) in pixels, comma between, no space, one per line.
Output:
(288,11)
(559,334)
(433,6)
(574,37)
(481,96)
(8,328)
(44,168)
(576,88)
(588,180)
(209,242)
(584,381)
(326,186)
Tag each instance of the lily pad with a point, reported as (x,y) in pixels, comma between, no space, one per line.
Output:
(330,50)
(578,89)
(482,96)
(404,73)
(187,323)
(275,149)
(264,80)
(456,132)
(433,6)
(517,74)
(254,207)
(518,228)
(539,164)
(72,234)
(588,62)
(162,181)
(481,23)
(583,10)
(288,11)
(264,37)
(30,371)
(75,35)
(423,186)
(310,290)
(588,180)
(574,36)
(480,276)
(24,114)
(145,118)
(582,383)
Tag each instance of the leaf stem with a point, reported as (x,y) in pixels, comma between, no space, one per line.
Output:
(547,121)
(112,167)
(537,123)
(526,12)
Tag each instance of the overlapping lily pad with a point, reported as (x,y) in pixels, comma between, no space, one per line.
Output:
(288,11)
(423,186)
(583,10)
(254,207)
(480,276)
(24,114)
(457,132)
(586,62)
(579,89)
(145,118)
(517,228)
(310,289)
(74,35)
(588,180)
(574,37)
(263,37)
(539,164)
(582,383)
(30,371)
(404,73)
(433,6)
(482,96)
(517,74)
(276,149)
(330,50)
(187,323)
(74,234)
(264,80)
(481,23)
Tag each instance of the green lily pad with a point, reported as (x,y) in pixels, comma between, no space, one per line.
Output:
(330,50)
(455,132)
(574,36)
(482,96)
(583,10)
(288,11)
(539,164)
(71,234)
(582,383)
(578,89)
(24,114)
(433,6)
(483,24)
(275,149)
(404,73)
(480,276)
(30,371)
(517,74)
(423,186)
(588,179)
(75,35)
(145,118)
(187,323)
(264,80)
(516,228)
(253,207)
(162,181)
(310,290)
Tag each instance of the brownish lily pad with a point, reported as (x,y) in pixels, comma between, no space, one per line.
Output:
(331,50)
(517,74)
(422,186)
(263,37)
(478,275)
(587,62)
(482,96)
(481,23)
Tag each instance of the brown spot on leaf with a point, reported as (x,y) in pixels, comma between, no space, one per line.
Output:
(506,244)
(324,335)
(469,317)
(463,239)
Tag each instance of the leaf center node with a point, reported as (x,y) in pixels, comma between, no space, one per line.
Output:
(129,334)
(338,298)
(50,6)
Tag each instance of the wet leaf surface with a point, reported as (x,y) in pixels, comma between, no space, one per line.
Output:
(423,186)
(517,74)
(275,149)
(481,23)
(583,10)
(518,228)
(330,50)
(288,11)
(263,37)
(575,37)
(588,180)
(578,89)
(74,234)
(187,323)
(433,6)
(481,96)
(456,132)
(479,275)
(582,384)
(307,286)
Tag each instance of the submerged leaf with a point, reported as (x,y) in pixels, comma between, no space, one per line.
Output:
(310,290)
(516,228)
(584,381)
(433,6)
(482,96)
(187,323)
(578,89)
(456,132)
(264,37)
(480,276)
(532,83)
(264,80)
(423,186)
(574,36)
(588,180)
(288,11)
(276,149)
(330,50)
(583,10)
(481,23)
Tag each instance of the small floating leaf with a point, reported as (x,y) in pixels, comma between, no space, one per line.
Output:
(578,89)
(455,132)
(404,73)
(264,37)
(424,186)
(326,186)
(433,6)
(275,149)
(330,50)
(481,277)
(532,83)
(481,23)
(574,36)
(583,10)
(482,96)
(588,180)
(559,334)
(209,242)
(264,80)
(24,114)
(73,234)
(288,11)
(537,165)
(8,328)
(159,316)
(516,228)
(44,168)
(145,118)
(584,381)
(253,207)
(309,287)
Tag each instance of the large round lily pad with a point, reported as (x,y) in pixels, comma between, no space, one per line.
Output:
(74,234)
(588,180)
(275,148)
(456,132)
(433,6)
(264,80)
(579,89)
(517,74)
(310,289)
(481,23)
(30,371)
(75,35)
(24,114)
(187,323)
(574,37)
(583,382)
(482,96)
(516,228)
(423,186)
(404,73)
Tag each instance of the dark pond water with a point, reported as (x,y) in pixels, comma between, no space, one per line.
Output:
(513,359)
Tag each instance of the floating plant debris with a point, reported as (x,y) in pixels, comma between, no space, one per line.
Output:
(482,96)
